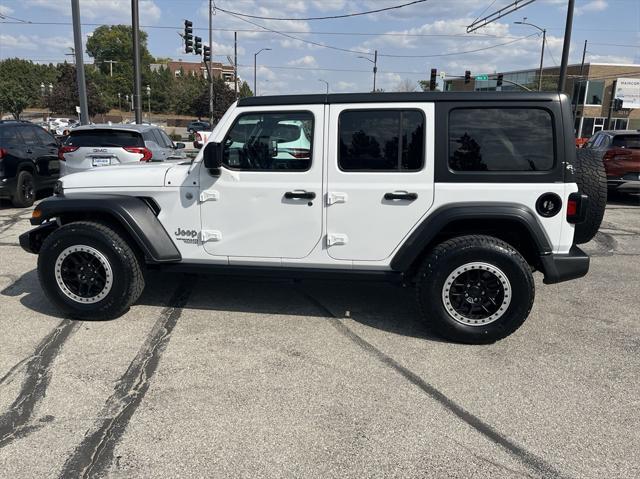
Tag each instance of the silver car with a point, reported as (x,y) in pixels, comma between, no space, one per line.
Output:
(93,146)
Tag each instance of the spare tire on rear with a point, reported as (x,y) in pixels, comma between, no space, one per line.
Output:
(592,181)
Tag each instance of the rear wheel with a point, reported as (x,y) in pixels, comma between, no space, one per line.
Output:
(25,190)
(475,289)
(89,271)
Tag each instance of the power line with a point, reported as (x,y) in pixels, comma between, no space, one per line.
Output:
(298,32)
(331,17)
(360,52)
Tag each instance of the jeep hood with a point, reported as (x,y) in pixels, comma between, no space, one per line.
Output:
(135,175)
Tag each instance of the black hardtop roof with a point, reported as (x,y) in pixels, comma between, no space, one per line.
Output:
(397,98)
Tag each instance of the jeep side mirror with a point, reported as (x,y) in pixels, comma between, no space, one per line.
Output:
(212,155)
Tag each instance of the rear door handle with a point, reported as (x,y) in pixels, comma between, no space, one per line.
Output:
(307,195)
(401,196)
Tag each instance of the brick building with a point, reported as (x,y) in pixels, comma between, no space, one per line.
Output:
(180,68)
(592,89)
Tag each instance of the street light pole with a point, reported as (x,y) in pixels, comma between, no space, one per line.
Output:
(149,100)
(375,66)
(137,93)
(327,83)
(255,70)
(544,39)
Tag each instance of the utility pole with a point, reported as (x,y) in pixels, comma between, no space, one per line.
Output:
(562,80)
(235,63)
(613,99)
(210,62)
(111,62)
(576,87)
(137,89)
(375,69)
(77,40)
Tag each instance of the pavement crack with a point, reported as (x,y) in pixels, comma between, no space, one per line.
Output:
(94,454)
(14,423)
(531,460)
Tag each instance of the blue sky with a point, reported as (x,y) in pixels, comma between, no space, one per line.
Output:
(403,37)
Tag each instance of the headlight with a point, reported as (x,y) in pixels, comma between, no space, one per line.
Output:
(58,188)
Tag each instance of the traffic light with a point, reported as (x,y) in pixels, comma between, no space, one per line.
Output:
(197,45)
(617,104)
(499,81)
(467,77)
(432,81)
(206,55)
(188,36)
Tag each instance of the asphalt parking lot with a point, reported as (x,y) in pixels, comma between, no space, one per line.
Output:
(218,377)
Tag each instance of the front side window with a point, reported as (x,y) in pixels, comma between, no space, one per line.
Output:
(270,142)
(501,139)
(381,140)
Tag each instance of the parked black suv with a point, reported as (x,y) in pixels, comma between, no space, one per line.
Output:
(28,161)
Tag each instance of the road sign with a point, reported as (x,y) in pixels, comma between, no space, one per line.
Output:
(482,77)
(443,75)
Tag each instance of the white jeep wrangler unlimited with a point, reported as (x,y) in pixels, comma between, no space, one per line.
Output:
(463,195)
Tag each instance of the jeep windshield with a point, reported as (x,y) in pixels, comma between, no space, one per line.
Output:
(104,138)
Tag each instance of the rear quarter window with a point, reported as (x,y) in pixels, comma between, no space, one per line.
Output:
(501,139)
(104,138)
(626,141)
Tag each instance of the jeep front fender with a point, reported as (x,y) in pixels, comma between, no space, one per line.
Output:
(131,213)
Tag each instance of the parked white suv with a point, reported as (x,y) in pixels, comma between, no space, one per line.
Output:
(91,146)
(461,195)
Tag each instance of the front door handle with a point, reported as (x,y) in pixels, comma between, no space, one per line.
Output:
(401,196)
(307,195)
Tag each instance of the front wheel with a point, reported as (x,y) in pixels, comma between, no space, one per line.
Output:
(475,289)
(89,271)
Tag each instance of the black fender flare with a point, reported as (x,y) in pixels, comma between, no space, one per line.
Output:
(132,213)
(436,221)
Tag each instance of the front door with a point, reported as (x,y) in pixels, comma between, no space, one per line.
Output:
(380,177)
(266,200)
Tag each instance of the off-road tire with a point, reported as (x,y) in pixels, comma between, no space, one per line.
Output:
(128,279)
(592,181)
(22,198)
(452,254)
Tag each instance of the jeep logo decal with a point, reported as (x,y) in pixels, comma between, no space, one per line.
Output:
(187,236)
(189,233)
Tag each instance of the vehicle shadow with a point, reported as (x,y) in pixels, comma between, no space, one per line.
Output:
(623,199)
(382,306)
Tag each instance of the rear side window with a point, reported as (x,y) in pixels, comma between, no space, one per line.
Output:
(45,138)
(501,139)
(28,135)
(8,135)
(626,141)
(104,138)
(381,140)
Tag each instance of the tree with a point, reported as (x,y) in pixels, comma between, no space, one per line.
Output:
(20,84)
(65,97)
(406,85)
(244,91)
(223,97)
(14,98)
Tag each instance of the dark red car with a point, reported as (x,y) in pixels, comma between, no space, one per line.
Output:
(621,156)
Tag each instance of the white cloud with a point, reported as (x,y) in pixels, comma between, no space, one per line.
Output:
(4,10)
(592,6)
(343,86)
(107,11)
(306,61)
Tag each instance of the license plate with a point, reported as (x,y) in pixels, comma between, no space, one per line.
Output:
(101,161)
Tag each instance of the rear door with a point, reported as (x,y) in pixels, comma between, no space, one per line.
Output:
(380,177)
(47,156)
